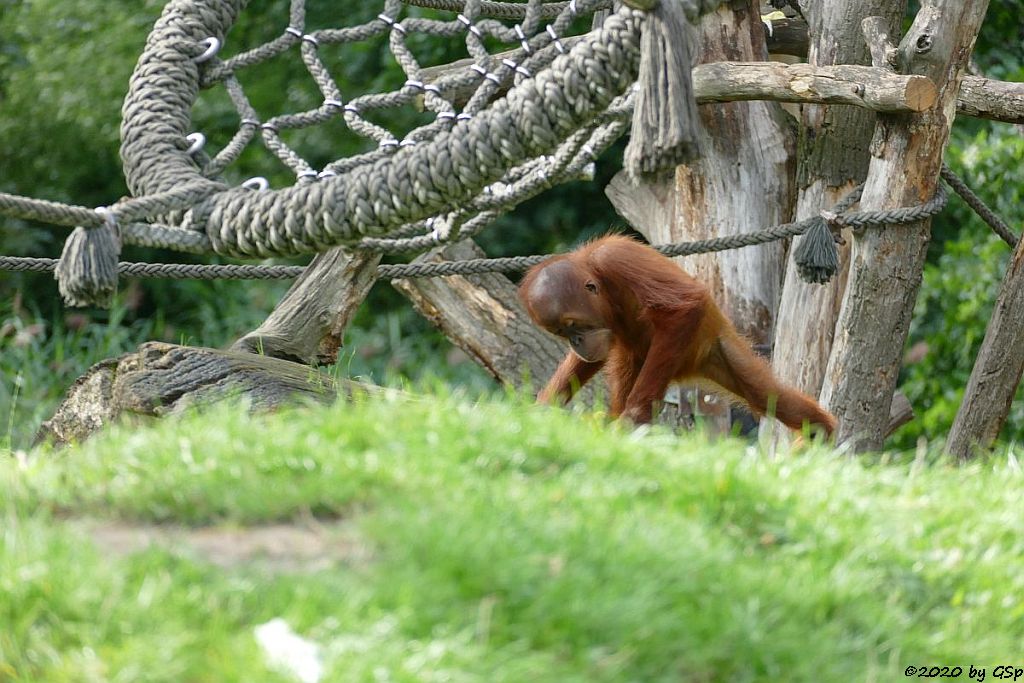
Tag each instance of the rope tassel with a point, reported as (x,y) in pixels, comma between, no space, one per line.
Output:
(664,132)
(816,257)
(87,271)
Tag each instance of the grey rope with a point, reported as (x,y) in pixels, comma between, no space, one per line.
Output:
(515,263)
(972,200)
(498,10)
(136,209)
(446,163)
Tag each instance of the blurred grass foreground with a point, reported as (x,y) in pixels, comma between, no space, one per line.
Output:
(435,539)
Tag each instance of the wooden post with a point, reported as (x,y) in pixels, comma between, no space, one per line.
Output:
(887,261)
(997,371)
(832,159)
(742,182)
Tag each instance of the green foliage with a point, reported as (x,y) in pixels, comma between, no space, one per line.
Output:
(497,541)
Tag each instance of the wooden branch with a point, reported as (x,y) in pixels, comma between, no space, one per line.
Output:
(900,413)
(997,370)
(862,86)
(979,97)
(988,99)
(481,314)
(308,324)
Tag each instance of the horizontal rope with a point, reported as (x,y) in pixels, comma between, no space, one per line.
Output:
(512,264)
(128,210)
(498,10)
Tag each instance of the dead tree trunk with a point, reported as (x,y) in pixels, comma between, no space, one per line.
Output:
(481,314)
(742,182)
(833,158)
(997,370)
(887,261)
(308,324)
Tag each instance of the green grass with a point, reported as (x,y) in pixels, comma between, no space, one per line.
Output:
(505,542)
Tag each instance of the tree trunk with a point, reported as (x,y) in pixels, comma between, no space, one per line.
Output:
(742,182)
(481,314)
(308,324)
(833,158)
(997,370)
(887,261)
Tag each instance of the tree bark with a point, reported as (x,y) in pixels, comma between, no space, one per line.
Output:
(308,324)
(997,370)
(162,379)
(862,86)
(833,158)
(887,262)
(482,315)
(988,99)
(742,182)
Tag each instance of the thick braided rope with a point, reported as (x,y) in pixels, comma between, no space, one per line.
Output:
(135,209)
(162,172)
(45,211)
(452,168)
(498,10)
(390,187)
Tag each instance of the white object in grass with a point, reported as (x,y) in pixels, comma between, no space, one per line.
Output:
(289,652)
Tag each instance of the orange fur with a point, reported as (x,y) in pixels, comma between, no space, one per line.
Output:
(664,327)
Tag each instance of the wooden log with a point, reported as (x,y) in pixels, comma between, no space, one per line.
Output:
(862,86)
(988,99)
(787,37)
(733,81)
(308,324)
(482,315)
(997,370)
(979,97)
(832,159)
(887,262)
(161,379)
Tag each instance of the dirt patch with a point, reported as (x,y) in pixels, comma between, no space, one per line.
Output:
(286,548)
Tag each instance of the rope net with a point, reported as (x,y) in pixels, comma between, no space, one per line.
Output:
(533,110)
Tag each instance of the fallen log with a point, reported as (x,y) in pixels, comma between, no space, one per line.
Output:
(161,379)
